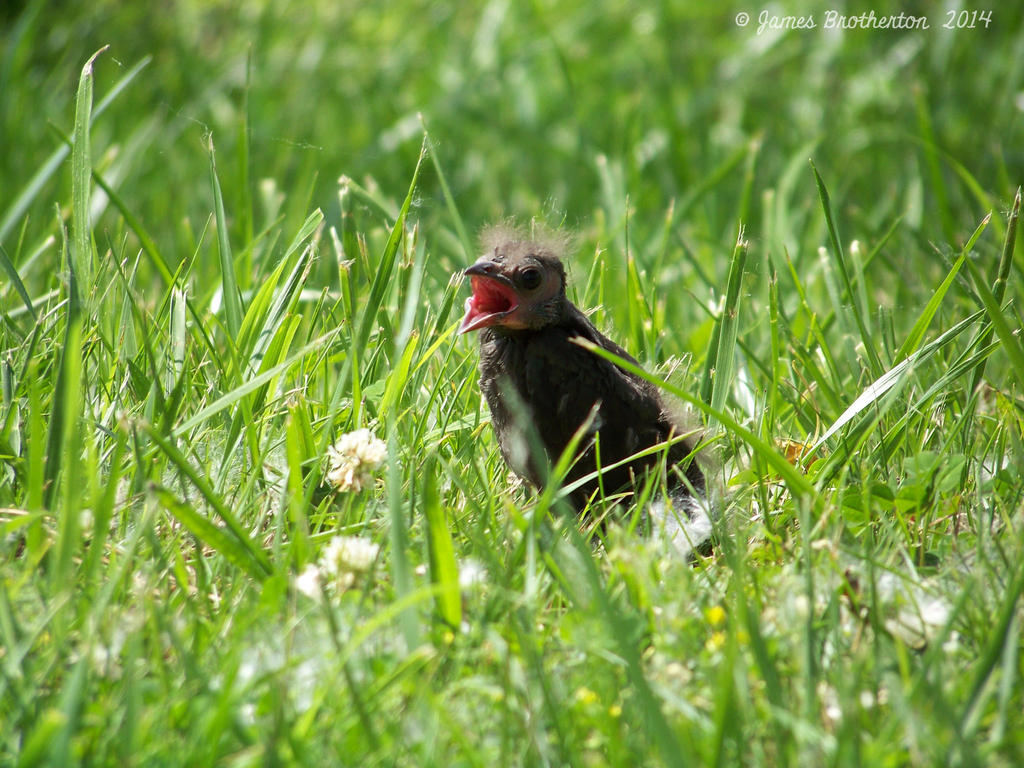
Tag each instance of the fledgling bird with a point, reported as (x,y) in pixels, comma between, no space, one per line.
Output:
(536,377)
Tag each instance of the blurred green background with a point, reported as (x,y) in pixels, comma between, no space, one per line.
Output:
(559,110)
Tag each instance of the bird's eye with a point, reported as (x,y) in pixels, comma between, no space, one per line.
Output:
(530,278)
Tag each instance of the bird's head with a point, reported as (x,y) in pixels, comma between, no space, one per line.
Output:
(518,284)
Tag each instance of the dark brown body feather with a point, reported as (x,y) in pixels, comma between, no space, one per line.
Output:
(557,383)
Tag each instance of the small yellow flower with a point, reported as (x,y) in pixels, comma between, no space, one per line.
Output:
(715,615)
(585,696)
(716,641)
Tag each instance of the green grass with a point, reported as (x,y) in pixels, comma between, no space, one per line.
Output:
(228,239)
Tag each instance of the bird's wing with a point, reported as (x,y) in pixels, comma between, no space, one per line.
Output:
(564,381)
(582,326)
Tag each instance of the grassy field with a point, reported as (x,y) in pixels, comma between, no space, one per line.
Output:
(232,233)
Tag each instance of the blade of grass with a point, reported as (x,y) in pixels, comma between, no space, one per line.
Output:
(398,377)
(891,378)
(913,340)
(1006,333)
(999,287)
(382,278)
(229,398)
(993,651)
(640,314)
(296,450)
(413,297)
(81,174)
(859,312)
(229,282)
(149,246)
(401,569)
(286,298)
(176,358)
(257,562)
(236,551)
(12,273)
(64,456)
(444,571)
(66,391)
(104,510)
(376,202)
(244,202)
(36,184)
(718,372)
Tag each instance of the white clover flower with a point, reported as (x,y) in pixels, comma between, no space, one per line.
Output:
(472,574)
(340,562)
(106,660)
(934,612)
(352,460)
(106,657)
(830,703)
(308,582)
(348,555)
(917,614)
(952,644)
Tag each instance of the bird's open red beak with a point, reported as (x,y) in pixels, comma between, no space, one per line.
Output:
(493,297)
